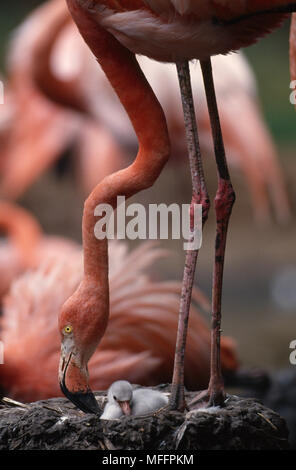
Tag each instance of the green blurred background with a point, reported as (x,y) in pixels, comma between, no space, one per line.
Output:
(258,258)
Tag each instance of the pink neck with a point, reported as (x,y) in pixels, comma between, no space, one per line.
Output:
(146,115)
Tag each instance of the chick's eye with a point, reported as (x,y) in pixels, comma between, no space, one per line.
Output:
(115,398)
(68,329)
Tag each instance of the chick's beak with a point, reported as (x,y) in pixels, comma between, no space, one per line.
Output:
(74,383)
(126,407)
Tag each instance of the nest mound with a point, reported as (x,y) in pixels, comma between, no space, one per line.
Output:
(55,424)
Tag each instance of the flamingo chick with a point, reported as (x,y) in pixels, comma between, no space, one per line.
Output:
(123,400)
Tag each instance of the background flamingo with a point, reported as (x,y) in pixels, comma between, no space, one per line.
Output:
(24,246)
(30,149)
(30,110)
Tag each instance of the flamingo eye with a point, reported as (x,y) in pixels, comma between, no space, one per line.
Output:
(115,398)
(68,329)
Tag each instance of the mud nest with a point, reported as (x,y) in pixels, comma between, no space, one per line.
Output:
(55,424)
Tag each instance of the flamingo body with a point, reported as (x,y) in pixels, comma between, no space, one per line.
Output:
(171,31)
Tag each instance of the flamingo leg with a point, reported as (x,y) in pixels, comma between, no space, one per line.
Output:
(199,196)
(224,201)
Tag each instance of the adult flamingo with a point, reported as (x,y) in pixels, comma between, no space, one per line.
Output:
(172,31)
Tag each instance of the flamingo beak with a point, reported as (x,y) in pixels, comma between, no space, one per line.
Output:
(73,383)
(126,407)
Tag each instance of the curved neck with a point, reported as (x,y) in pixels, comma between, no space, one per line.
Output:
(22,231)
(146,115)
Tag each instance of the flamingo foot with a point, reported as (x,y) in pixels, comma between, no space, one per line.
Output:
(208,398)
(177,399)
(200,401)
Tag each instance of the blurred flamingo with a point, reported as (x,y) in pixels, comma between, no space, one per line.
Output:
(140,339)
(37,128)
(64,72)
(23,245)
(40,131)
(38,137)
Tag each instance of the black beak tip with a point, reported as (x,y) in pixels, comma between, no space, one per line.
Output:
(85,401)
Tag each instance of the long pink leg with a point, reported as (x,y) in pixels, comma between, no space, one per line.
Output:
(199,196)
(224,201)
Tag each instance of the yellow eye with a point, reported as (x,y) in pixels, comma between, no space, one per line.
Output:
(68,329)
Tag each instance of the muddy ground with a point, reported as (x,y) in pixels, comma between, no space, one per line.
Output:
(55,424)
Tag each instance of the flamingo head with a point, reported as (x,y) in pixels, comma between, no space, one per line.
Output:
(79,339)
(120,393)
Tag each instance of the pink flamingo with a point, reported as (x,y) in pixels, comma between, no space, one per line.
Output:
(41,130)
(173,31)
(37,138)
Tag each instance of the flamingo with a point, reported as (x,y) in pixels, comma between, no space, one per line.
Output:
(41,130)
(139,341)
(25,246)
(37,138)
(34,140)
(100,129)
(123,400)
(170,31)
